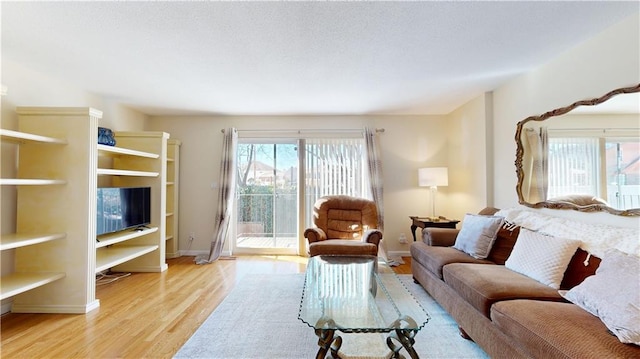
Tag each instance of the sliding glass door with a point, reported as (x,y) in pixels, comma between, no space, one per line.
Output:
(267,198)
(274,199)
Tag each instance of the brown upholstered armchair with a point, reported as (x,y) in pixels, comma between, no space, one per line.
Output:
(344,225)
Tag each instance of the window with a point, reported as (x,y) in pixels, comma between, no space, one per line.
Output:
(605,167)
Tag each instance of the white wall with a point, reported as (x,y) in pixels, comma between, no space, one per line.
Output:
(609,60)
(408,143)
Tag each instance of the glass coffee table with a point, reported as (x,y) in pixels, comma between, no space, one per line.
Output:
(359,294)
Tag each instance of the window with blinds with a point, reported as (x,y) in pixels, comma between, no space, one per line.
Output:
(573,166)
(606,167)
(333,166)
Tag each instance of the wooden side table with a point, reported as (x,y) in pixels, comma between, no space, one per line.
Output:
(424,222)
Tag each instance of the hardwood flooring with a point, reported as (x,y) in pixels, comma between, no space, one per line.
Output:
(145,315)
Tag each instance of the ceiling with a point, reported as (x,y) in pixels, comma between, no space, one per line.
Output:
(296,58)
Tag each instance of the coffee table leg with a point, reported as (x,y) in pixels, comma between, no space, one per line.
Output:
(326,342)
(405,337)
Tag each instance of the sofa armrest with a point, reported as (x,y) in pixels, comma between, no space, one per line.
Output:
(440,237)
(372,236)
(314,235)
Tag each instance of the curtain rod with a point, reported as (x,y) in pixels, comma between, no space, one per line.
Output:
(317,130)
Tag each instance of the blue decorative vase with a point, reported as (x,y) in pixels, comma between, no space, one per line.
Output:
(105,137)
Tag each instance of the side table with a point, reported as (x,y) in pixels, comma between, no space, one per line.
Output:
(424,222)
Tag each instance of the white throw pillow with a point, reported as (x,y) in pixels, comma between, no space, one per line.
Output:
(613,295)
(543,258)
(477,235)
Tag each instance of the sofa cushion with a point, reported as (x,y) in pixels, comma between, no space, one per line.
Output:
(543,258)
(558,330)
(613,295)
(434,258)
(346,247)
(582,265)
(442,237)
(477,234)
(482,285)
(502,247)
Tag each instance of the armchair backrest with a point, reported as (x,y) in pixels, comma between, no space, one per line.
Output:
(345,217)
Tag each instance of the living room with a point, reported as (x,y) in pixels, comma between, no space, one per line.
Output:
(472,134)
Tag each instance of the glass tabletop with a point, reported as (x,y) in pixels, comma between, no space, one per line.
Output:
(357,294)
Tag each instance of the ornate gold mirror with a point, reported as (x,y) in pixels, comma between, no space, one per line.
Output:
(601,136)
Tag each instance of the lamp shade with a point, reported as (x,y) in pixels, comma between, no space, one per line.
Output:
(433,176)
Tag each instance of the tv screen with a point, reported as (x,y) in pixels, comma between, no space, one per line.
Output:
(121,208)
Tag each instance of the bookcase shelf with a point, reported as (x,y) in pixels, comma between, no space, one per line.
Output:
(22,137)
(117,172)
(30,182)
(114,151)
(16,240)
(16,283)
(109,257)
(113,238)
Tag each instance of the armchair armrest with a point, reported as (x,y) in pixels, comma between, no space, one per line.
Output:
(314,235)
(440,237)
(372,236)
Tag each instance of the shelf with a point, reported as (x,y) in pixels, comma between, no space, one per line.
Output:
(23,137)
(17,283)
(15,240)
(111,257)
(114,172)
(30,182)
(170,183)
(113,238)
(119,151)
(169,214)
(168,238)
(170,160)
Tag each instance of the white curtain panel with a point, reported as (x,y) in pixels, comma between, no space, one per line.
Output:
(538,179)
(374,166)
(226,193)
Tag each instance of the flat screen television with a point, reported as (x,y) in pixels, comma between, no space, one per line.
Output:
(121,208)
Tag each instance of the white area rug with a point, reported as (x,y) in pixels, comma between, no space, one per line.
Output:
(259,319)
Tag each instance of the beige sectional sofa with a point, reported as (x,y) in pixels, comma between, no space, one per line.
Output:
(508,314)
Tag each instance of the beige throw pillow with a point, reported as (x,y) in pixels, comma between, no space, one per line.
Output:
(477,235)
(613,295)
(543,258)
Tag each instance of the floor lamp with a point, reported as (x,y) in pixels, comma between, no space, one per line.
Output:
(433,177)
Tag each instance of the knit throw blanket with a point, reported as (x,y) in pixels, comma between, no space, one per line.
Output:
(596,238)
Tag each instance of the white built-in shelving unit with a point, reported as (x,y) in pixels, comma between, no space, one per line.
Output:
(57,253)
(138,160)
(173,183)
(23,278)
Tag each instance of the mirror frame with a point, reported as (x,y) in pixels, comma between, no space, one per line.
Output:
(559,112)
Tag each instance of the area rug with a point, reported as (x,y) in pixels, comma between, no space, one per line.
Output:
(259,319)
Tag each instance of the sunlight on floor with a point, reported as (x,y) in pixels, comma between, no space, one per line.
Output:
(286,258)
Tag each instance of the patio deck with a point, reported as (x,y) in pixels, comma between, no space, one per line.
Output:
(267,242)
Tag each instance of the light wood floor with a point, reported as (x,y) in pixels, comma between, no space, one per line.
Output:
(146,315)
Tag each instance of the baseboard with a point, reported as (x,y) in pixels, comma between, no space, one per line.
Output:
(6,307)
(136,268)
(392,254)
(195,253)
(56,309)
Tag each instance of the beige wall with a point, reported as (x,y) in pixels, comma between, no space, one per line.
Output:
(609,60)
(408,143)
(469,157)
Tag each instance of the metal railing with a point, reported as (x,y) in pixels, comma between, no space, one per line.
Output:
(268,216)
